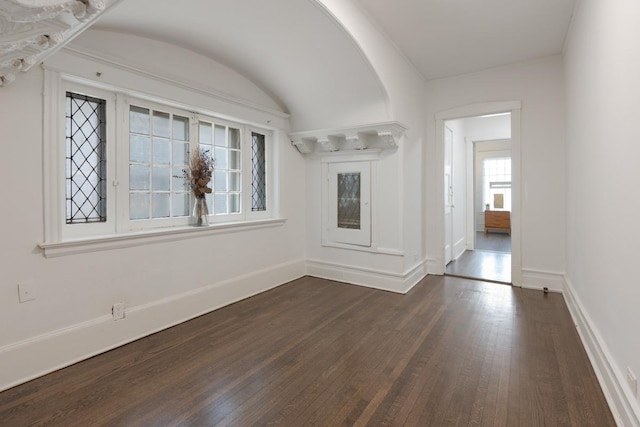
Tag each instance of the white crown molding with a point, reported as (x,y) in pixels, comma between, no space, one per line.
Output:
(32,30)
(384,135)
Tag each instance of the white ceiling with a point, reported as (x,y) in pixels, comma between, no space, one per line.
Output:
(450,37)
(300,56)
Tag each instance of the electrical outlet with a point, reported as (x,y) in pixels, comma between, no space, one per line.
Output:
(633,381)
(117,310)
(26,291)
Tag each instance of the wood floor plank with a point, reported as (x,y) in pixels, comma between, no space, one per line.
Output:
(316,352)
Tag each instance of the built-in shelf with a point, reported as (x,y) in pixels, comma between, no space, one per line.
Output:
(379,136)
(31,30)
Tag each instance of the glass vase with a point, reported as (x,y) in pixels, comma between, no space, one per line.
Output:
(200,212)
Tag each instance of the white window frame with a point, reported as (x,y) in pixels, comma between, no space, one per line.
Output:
(124,222)
(213,218)
(269,159)
(118,223)
(70,231)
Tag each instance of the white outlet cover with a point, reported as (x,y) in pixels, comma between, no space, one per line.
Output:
(118,311)
(26,291)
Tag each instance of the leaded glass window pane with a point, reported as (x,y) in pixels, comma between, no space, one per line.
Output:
(349,200)
(85,148)
(258,173)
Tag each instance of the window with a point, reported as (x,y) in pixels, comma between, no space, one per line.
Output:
(258,173)
(348,210)
(224,143)
(497,183)
(85,159)
(349,200)
(158,152)
(120,165)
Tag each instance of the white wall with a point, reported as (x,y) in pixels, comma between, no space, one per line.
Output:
(399,180)
(602,64)
(160,283)
(539,87)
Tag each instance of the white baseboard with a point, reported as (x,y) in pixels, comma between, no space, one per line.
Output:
(623,404)
(378,279)
(538,279)
(433,266)
(34,357)
(459,248)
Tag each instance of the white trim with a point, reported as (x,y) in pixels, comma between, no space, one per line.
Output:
(539,279)
(459,247)
(350,156)
(479,109)
(432,266)
(69,345)
(371,278)
(373,249)
(127,240)
(622,403)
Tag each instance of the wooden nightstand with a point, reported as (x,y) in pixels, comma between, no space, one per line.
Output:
(497,220)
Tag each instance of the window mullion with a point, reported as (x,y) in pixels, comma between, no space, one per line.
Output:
(122,164)
(246,173)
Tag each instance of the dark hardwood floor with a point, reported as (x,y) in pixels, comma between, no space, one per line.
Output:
(315,352)
(482,265)
(494,241)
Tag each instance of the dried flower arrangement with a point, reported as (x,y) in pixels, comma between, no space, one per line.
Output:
(198,175)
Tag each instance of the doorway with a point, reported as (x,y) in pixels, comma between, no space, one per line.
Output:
(478,197)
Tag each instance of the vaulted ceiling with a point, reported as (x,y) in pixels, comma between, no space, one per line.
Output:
(298,53)
(292,49)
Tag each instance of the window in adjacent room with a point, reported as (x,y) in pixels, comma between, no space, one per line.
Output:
(497,183)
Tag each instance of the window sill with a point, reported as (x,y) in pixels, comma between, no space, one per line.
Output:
(119,241)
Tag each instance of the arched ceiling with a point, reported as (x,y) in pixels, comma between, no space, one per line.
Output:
(292,49)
